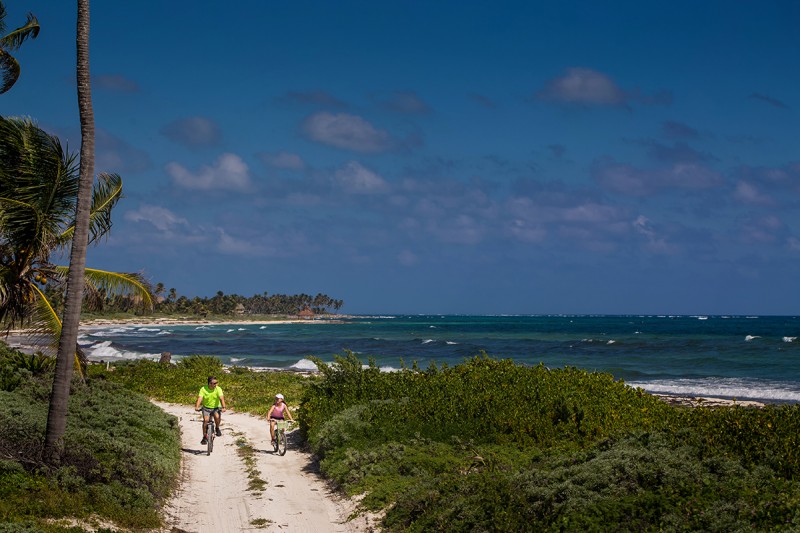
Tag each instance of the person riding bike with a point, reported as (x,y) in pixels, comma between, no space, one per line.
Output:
(277,412)
(212,401)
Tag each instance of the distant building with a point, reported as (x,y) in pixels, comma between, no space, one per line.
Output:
(239,309)
(306,313)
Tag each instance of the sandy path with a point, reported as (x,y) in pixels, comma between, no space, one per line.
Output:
(214,495)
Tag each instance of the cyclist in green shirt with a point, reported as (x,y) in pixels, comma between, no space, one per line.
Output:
(211,401)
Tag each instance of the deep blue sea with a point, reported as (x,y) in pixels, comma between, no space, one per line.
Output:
(742,357)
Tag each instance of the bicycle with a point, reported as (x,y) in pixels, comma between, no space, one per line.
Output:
(279,444)
(210,434)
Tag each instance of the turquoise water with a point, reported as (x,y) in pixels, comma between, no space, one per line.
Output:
(726,356)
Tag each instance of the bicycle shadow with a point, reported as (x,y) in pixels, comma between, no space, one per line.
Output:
(200,451)
(194,452)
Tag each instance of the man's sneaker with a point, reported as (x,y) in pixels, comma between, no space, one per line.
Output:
(219,433)
(204,441)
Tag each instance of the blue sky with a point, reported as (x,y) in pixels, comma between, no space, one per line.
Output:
(442,157)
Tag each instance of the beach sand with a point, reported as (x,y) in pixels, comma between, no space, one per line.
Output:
(213,495)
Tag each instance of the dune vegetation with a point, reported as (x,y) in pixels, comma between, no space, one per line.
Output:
(486,445)
(121,453)
(489,445)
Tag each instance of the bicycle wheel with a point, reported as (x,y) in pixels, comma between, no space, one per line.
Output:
(281,435)
(210,437)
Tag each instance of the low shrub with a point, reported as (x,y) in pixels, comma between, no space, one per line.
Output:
(120,459)
(245,389)
(490,445)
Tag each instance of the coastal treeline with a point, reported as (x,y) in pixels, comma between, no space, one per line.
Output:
(169,302)
(234,304)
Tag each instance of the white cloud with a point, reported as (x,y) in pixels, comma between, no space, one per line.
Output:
(228,244)
(655,243)
(357,179)
(460,229)
(590,212)
(163,219)
(285,160)
(349,132)
(583,86)
(116,83)
(765,229)
(407,102)
(527,231)
(228,172)
(193,131)
(747,193)
(626,179)
(407,258)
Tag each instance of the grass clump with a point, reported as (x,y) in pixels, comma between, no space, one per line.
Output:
(248,455)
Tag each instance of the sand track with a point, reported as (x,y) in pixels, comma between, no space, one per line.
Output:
(214,496)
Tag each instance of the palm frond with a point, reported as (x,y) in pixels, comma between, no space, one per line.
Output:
(45,324)
(39,181)
(16,296)
(14,40)
(9,69)
(47,330)
(105,195)
(132,285)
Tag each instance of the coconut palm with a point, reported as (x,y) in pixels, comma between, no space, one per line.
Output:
(59,397)
(38,193)
(9,67)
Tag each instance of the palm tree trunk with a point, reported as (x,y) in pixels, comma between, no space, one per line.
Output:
(59,398)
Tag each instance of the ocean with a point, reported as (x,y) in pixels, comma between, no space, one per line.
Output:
(741,357)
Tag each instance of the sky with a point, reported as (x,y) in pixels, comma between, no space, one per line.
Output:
(472,157)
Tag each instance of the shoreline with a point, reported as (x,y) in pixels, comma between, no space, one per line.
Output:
(18,339)
(144,322)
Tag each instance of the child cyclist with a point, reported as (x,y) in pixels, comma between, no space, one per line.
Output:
(278,411)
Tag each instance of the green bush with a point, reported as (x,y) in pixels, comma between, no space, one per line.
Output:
(490,445)
(120,459)
(16,367)
(245,389)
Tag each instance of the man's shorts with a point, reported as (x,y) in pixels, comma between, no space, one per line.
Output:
(208,411)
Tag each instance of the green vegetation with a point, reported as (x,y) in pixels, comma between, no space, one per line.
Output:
(248,456)
(9,67)
(489,445)
(245,390)
(38,196)
(486,445)
(120,458)
(169,303)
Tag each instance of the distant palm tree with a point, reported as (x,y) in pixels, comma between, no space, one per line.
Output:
(38,193)
(9,67)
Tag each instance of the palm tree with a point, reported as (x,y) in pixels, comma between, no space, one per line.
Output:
(38,191)
(9,67)
(59,398)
